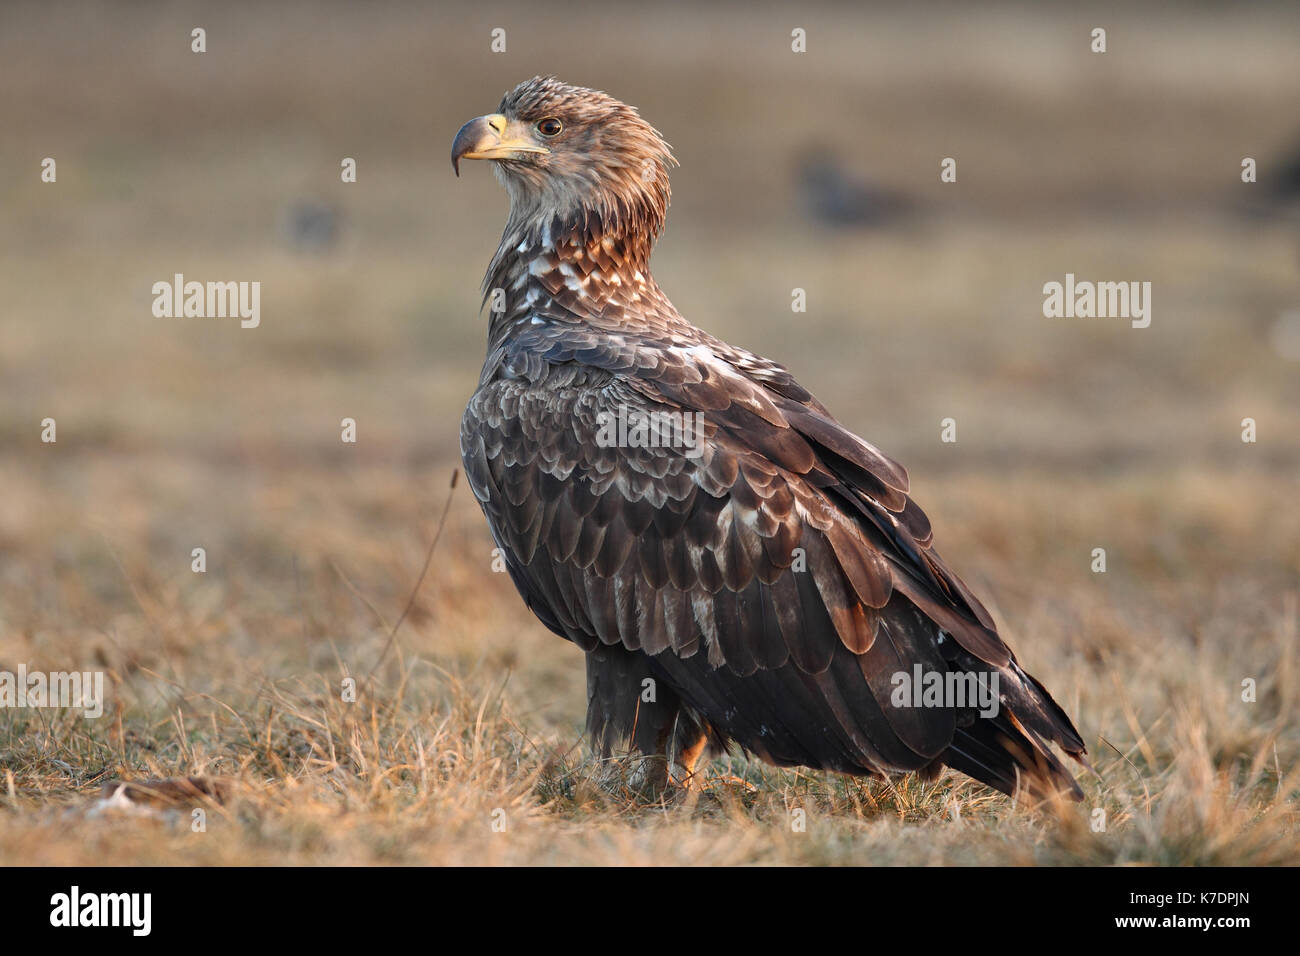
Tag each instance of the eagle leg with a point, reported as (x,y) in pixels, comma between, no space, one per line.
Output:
(690,753)
(656,764)
(630,705)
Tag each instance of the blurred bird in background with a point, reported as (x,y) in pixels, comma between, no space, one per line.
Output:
(311,226)
(836,197)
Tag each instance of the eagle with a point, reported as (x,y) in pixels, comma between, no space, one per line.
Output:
(737,566)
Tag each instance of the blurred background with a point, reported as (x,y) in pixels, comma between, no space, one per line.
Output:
(816,170)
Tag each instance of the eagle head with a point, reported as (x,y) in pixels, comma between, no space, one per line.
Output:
(571,156)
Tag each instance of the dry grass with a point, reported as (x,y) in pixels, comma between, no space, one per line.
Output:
(478,711)
(174,435)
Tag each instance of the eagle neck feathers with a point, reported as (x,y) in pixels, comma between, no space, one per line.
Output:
(589,267)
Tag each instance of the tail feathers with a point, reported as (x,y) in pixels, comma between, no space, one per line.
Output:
(1046,718)
(1001,753)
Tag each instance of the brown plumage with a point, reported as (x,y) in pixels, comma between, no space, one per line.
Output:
(762,568)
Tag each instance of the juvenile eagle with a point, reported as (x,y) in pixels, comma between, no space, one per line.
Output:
(736,564)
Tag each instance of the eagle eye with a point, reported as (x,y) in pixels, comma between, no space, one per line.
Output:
(550,126)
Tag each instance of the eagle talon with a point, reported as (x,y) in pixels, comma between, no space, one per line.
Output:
(699,783)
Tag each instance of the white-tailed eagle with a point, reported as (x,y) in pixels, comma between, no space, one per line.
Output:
(736,564)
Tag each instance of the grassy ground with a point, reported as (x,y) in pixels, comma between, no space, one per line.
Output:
(1072,434)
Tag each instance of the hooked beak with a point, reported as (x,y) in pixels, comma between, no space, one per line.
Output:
(491,137)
